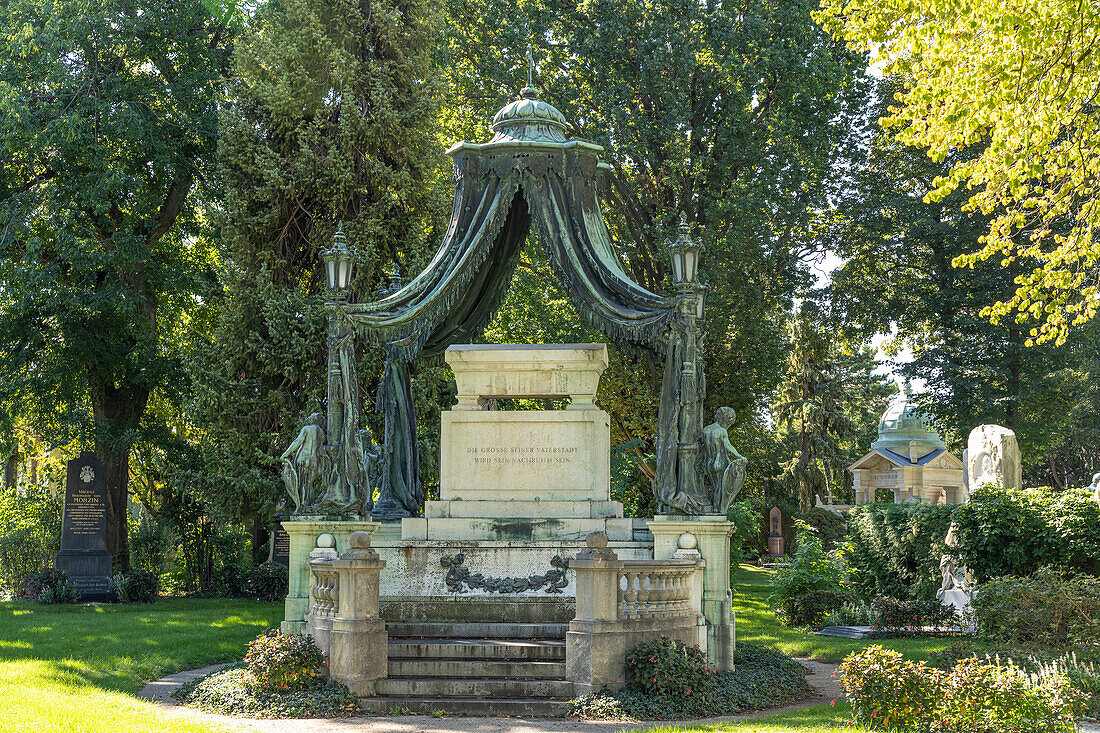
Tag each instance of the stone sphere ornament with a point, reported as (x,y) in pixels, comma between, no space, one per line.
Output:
(359,540)
(687,541)
(326,540)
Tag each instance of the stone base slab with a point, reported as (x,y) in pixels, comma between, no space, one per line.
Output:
(483,610)
(523,508)
(513,529)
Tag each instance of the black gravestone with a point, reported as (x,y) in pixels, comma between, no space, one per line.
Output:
(280,546)
(84,553)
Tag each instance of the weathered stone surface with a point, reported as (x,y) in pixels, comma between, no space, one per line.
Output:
(521,507)
(713,533)
(514,528)
(555,455)
(993,457)
(527,370)
(84,554)
(777,545)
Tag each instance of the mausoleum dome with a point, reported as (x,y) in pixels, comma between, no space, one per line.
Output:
(905,426)
(529,118)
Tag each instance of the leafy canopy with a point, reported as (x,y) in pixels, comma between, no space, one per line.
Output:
(1021,78)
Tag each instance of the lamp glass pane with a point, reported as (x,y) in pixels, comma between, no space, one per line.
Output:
(677,267)
(330,274)
(699,307)
(345,274)
(691,263)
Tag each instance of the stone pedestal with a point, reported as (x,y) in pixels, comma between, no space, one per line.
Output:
(358,644)
(712,532)
(993,457)
(303,539)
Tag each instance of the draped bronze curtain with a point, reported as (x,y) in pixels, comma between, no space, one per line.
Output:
(498,193)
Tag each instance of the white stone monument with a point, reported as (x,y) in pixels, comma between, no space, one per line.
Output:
(993,457)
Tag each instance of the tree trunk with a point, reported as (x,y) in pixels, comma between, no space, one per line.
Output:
(118,414)
(259,540)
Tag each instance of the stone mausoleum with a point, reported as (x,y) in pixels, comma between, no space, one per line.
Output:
(909,460)
(523,584)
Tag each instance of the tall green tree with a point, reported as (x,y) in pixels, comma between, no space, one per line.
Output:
(827,405)
(899,280)
(1021,81)
(739,115)
(331,117)
(107,128)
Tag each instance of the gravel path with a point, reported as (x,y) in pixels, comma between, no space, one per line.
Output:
(820,678)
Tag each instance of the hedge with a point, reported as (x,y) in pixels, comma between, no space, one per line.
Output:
(895,549)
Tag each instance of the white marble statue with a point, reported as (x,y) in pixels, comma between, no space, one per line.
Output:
(1095,486)
(993,457)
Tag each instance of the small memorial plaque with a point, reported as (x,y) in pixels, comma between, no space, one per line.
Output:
(280,546)
(84,553)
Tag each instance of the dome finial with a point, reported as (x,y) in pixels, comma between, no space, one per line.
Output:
(530,66)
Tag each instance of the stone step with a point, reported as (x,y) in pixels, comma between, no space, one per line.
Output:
(467,706)
(457,630)
(435,668)
(484,649)
(473,688)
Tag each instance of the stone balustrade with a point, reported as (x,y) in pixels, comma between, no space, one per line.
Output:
(621,603)
(344,617)
(656,589)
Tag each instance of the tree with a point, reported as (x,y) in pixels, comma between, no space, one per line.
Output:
(829,400)
(738,115)
(108,124)
(1020,80)
(898,280)
(330,118)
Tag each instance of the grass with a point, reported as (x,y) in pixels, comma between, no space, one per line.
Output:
(818,719)
(74,668)
(756,623)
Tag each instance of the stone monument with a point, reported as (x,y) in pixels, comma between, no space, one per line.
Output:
(993,457)
(280,546)
(84,554)
(776,543)
(1095,486)
(957,587)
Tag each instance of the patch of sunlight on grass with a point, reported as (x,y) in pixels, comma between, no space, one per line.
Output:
(818,719)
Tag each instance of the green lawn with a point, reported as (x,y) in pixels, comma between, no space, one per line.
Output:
(74,668)
(818,719)
(757,623)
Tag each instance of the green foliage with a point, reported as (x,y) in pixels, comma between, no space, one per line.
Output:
(895,549)
(1014,532)
(284,661)
(668,667)
(810,608)
(893,617)
(827,385)
(135,586)
(829,526)
(30,533)
(764,678)
(108,115)
(1034,175)
(628,477)
(46,587)
(888,692)
(1048,608)
(268,581)
(746,532)
(231,691)
(810,569)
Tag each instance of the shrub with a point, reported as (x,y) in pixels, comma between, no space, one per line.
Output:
(231,691)
(269,581)
(284,661)
(895,549)
(30,533)
(893,617)
(1048,608)
(746,533)
(668,667)
(48,586)
(852,613)
(135,586)
(764,678)
(887,691)
(809,570)
(831,527)
(1015,532)
(810,608)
